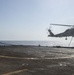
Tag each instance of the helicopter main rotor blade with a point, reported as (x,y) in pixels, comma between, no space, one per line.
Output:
(62,25)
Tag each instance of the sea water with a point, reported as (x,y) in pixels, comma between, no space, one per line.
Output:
(36,43)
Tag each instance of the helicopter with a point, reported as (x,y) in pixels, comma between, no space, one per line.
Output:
(66,33)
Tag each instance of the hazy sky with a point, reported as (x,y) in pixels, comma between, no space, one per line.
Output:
(29,19)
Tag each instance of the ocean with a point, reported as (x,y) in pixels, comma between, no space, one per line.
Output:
(36,43)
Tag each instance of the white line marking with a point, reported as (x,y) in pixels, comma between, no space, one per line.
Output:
(15,72)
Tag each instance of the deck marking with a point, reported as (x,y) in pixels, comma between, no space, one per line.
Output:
(15,72)
(31,58)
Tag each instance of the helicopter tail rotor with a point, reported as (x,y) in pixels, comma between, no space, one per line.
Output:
(50,32)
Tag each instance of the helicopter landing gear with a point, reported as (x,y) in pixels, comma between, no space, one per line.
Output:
(66,38)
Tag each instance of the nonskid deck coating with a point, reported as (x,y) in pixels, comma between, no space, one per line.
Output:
(37,65)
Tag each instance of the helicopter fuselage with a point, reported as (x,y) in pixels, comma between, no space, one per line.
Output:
(68,32)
